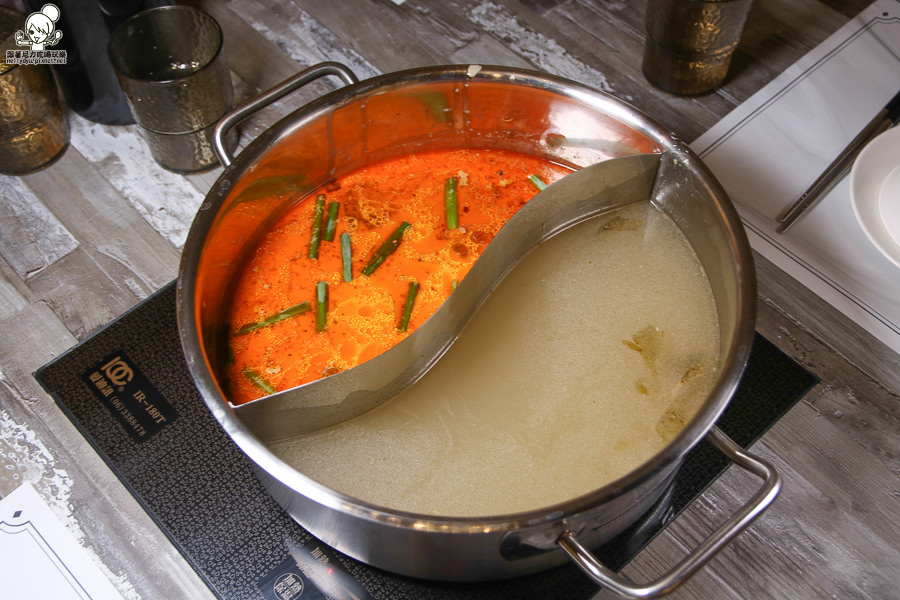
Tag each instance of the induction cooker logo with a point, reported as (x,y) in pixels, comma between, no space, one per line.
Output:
(118,372)
(288,586)
(40,31)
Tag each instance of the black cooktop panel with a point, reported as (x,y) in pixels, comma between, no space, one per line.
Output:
(128,389)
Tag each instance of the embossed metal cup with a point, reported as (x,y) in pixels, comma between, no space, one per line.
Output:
(171,64)
(690,43)
(33,126)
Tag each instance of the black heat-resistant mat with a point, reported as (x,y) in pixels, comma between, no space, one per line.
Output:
(128,390)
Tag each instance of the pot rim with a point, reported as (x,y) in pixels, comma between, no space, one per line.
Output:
(662,462)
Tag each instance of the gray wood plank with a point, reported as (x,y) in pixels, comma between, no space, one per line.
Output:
(14,294)
(107,226)
(32,236)
(809,313)
(166,200)
(82,293)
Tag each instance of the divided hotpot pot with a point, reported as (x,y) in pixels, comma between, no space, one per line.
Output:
(465,106)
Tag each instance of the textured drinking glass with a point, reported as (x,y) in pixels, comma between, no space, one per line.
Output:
(690,43)
(171,64)
(33,126)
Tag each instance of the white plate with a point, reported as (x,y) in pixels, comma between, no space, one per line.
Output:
(889,204)
(870,171)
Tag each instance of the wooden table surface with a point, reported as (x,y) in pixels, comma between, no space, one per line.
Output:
(100,230)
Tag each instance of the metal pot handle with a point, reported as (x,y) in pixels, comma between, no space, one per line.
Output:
(715,542)
(268,97)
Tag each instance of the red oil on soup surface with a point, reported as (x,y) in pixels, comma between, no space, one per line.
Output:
(276,341)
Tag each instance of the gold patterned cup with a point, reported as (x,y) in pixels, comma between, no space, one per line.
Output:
(690,43)
(34,131)
(171,64)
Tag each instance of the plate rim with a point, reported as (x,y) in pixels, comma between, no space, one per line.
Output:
(882,201)
(866,177)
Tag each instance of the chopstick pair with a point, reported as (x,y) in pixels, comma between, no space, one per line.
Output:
(884,120)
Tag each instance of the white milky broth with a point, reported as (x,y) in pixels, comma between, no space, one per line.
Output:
(586,360)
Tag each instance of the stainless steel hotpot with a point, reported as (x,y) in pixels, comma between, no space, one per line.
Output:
(464,106)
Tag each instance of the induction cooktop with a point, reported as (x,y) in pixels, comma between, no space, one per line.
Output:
(128,390)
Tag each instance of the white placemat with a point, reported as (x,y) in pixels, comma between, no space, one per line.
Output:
(39,558)
(769,150)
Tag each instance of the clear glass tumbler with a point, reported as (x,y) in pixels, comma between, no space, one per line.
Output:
(171,64)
